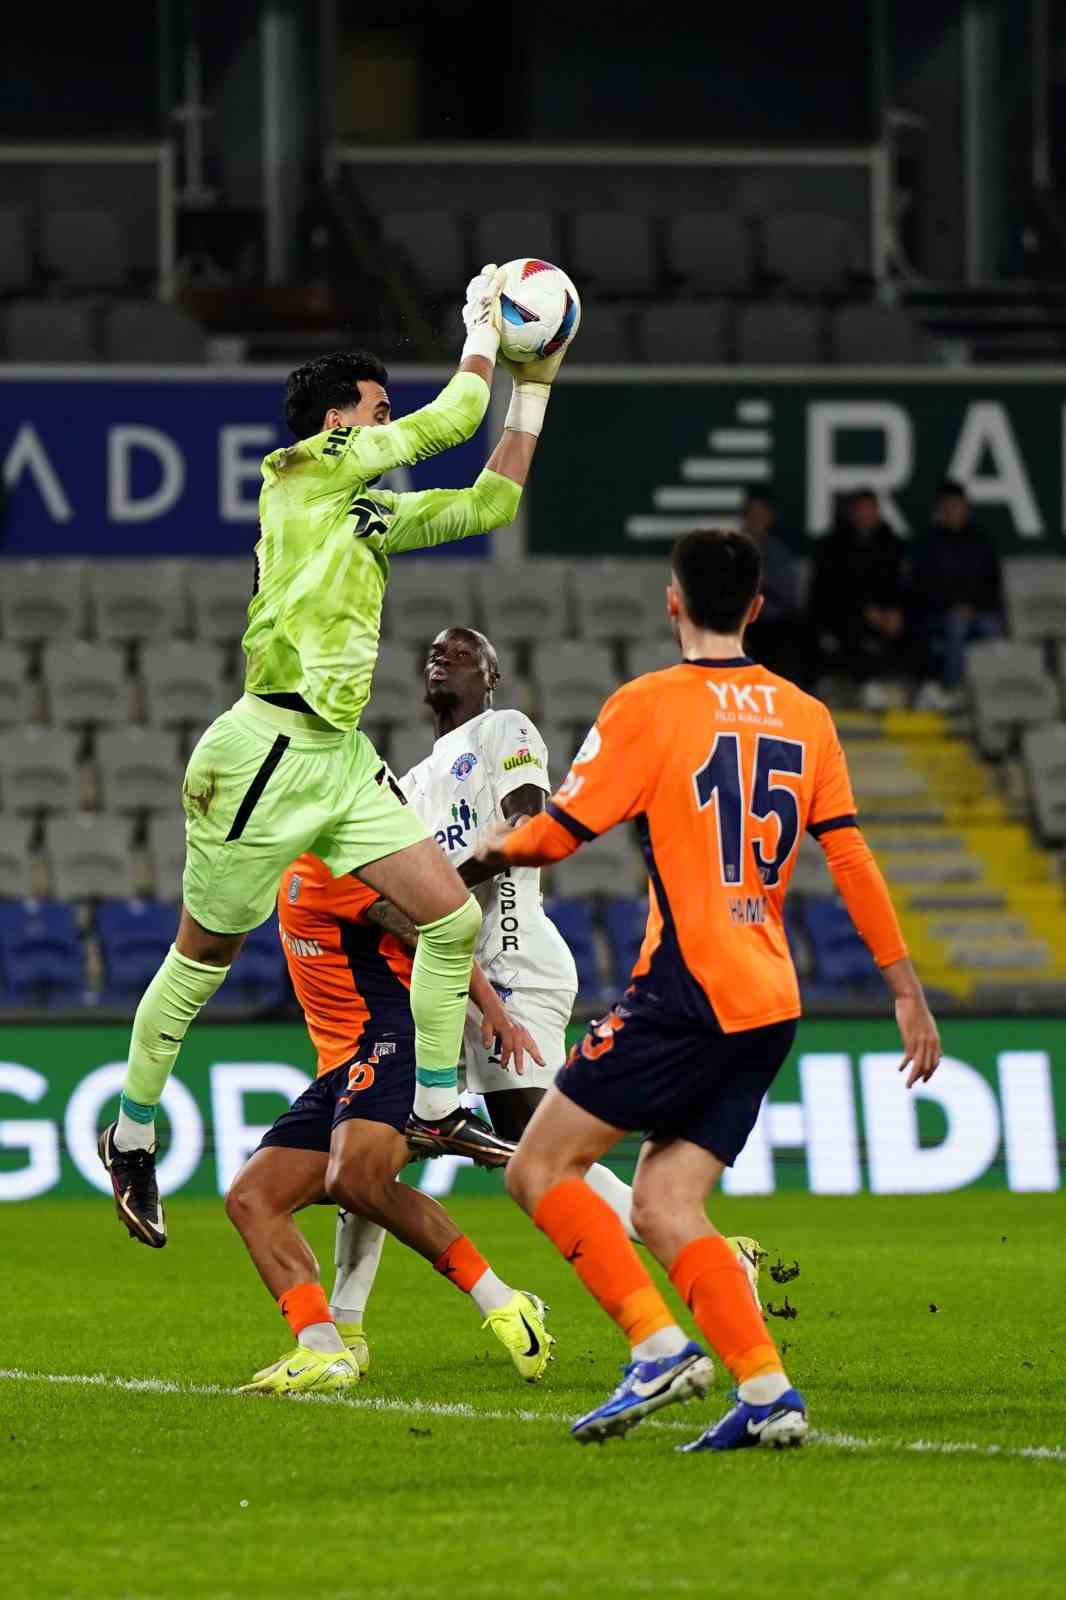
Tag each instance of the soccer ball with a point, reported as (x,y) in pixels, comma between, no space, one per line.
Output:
(540,308)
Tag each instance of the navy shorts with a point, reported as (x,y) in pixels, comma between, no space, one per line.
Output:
(692,1084)
(374,1088)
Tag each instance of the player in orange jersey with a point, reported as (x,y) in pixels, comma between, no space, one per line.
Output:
(722,765)
(343,1139)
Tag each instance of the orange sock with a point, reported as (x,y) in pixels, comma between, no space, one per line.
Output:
(712,1283)
(584,1229)
(303,1305)
(462,1263)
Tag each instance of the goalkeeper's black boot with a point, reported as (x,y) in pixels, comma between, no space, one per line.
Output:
(461,1133)
(137,1202)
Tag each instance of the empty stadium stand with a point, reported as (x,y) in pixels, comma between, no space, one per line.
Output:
(108,672)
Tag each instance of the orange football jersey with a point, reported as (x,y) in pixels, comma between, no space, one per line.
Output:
(723,766)
(351,977)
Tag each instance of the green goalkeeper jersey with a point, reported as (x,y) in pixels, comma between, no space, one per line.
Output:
(325,538)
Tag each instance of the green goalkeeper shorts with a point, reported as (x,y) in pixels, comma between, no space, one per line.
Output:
(262,786)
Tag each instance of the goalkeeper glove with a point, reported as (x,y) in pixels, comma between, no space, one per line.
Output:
(532,389)
(481,313)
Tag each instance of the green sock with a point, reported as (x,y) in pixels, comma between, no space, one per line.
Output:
(170,1003)
(440,990)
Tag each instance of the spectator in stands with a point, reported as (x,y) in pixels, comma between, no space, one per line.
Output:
(779,639)
(957,593)
(856,604)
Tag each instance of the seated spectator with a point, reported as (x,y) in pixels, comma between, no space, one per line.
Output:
(957,593)
(779,639)
(857,600)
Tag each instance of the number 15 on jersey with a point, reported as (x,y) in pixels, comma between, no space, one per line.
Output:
(721,779)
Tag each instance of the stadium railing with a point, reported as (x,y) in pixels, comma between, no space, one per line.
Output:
(850,182)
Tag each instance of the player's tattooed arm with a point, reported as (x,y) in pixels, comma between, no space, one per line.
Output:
(516,807)
(386,915)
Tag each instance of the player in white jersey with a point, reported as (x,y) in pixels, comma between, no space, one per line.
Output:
(488,767)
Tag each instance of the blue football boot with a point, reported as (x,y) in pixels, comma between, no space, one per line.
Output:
(780,1424)
(647,1386)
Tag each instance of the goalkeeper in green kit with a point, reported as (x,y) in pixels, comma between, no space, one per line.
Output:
(287,770)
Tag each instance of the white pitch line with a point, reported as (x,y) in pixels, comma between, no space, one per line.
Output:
(442,1408)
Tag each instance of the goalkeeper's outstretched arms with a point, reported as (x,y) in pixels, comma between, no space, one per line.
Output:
(353,454)
(435,516)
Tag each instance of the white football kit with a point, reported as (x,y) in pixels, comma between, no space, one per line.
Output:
(458,791)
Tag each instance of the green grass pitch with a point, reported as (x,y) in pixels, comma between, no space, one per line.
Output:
(447,1476)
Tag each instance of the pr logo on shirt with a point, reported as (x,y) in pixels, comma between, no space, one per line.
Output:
(464,817)
(464,765)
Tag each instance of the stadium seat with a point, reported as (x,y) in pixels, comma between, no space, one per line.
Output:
(219,592)
(605,336)
(810,875)
(166,854)
(138,770)
(1046,997)
(507,235)
(89,857)
(777,334)
(613,251)
(685,332)
(573,679)
(875,335)
(531,599)
(183,683)
(42,600)
(513,690)
(409,745)
(134,937)
(434,245)
(841,960)
(1010,690)
(16,865)
(257,979)
(134,600)
(710,252)
(146,331)
(573,918)
(396,692)
(85,684)
(1044,754)
(16,256)
(811,255)
(15,693)
(42,959)
(651,655)
(84,249)
(38,770)
(625,921)
(562,743)
(426,596)
(620,599)
(1035,591)
(50,330)
(607,867)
